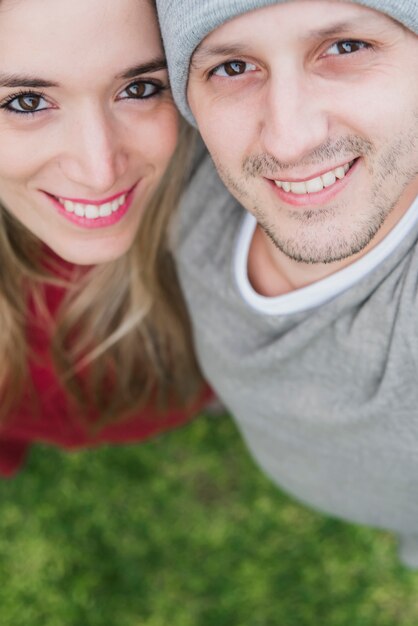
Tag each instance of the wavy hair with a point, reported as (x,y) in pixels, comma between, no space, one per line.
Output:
(121,337)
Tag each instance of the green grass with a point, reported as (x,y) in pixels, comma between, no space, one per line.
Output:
(185,531)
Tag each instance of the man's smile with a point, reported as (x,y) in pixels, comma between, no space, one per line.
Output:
(316,191)
(315,184)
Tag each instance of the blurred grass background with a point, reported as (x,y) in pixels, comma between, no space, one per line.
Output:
(185,531)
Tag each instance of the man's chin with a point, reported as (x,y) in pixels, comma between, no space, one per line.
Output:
(321,247)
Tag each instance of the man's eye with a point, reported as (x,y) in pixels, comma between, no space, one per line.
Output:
(233,68)
(347,47)
(140,90)
(26,103)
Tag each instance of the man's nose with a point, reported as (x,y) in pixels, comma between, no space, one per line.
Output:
(96,155)
(293,123)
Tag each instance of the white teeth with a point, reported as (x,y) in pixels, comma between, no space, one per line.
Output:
(105,209)
(328,179)
(68,205)
(92,211)
(315,184)
(299,188)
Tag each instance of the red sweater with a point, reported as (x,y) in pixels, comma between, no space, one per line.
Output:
(50,419)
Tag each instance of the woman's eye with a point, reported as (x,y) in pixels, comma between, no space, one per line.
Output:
(140,90)
(26,103)
(347,47)
(233,68)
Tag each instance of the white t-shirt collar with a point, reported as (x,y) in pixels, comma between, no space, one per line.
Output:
(323,290)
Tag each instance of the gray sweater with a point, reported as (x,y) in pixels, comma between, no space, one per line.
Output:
(326,399)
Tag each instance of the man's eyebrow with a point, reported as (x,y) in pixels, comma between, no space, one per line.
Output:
(154,65)
(205,52)
(339,28)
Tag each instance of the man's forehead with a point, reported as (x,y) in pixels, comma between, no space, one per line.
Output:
(340,18)
(185,24)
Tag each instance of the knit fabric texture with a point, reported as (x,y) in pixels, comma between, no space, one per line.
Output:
(185,23)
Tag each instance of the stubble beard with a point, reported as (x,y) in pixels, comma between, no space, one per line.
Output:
(328,234)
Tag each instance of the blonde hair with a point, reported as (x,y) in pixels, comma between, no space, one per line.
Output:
(121,337)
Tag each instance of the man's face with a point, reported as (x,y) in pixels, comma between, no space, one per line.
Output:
(310,112)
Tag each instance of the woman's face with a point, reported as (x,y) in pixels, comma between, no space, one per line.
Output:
(87,125)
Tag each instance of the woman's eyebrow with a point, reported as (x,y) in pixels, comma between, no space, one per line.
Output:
(23,80)
(144,68)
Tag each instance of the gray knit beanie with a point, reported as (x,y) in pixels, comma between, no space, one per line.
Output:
(185,23)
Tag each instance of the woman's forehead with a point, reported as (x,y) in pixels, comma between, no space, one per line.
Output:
(54,38)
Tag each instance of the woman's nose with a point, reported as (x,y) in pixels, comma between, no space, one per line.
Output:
(96,156)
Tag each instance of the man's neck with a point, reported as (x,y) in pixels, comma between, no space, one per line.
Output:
(272,273)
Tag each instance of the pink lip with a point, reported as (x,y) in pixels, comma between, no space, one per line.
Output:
(311,176)
(97,202)
(316,198)
(99,222)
